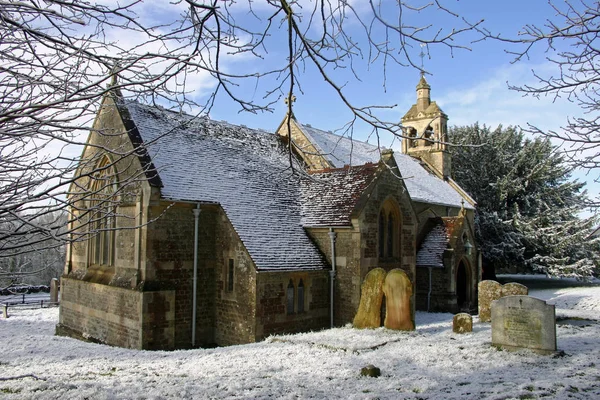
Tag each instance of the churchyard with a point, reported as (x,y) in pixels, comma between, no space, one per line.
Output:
(430,362)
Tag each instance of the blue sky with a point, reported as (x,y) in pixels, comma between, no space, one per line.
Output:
(469,85)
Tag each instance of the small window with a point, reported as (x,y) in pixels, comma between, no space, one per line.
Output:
(230,272)
(290,297)
(300,297)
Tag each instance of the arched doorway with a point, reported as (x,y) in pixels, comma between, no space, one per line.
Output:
(463,293)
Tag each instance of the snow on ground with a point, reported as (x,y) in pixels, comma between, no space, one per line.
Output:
(429,363)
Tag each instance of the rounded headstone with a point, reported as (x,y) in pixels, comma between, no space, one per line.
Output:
(514,289)
(371,297)
(488,292)
(462,323)
(398,292)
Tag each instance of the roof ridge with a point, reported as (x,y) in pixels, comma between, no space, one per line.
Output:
(346,167)
(342,136)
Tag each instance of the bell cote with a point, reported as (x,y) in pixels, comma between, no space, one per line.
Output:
(426,131)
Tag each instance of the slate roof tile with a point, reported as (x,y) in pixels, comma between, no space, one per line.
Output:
(244,170)
(422,185)
(431,253)
(330,197)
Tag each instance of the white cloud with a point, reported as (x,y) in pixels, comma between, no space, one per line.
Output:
(490,102)
(493,103)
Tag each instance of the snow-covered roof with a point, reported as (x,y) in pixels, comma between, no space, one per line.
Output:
(431,253)
(341,150)
(330,197)
(422,184)
(426,187)
(244,170)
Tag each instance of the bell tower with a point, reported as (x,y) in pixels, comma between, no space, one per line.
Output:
(426,131)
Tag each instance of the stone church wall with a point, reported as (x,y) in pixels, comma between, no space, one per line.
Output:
(223,317)
(113,315)
(273,315)
(388,186)
(347,280)
(100,313)
(234,309)
(169,249)
(357,247)
(442,298)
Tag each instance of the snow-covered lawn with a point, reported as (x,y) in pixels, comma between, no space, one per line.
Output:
(429,363)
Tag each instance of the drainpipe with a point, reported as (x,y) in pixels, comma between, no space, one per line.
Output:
(332,236)
(429,293)
(196,212)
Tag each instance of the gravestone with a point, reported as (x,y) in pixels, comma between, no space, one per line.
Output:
(462,323)
(524,322)
(371,297)
(398,291)
(488,292)
(514,289)
(54,290)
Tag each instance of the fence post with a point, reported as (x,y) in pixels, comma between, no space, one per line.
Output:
(23,298)
(54,285)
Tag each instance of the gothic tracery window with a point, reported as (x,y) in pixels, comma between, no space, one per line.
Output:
(101,226)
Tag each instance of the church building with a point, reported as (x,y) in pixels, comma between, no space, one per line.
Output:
(197,232)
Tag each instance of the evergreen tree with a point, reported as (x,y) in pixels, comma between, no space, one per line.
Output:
(528,205)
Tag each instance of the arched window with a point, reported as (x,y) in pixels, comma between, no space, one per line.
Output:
(412,135)
(290,297)
(101,226)
(300,297)
(428,136)
(381,233)
(389,230)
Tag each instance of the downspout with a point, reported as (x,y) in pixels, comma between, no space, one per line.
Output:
(196,212)
(332,236)
(429,293)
